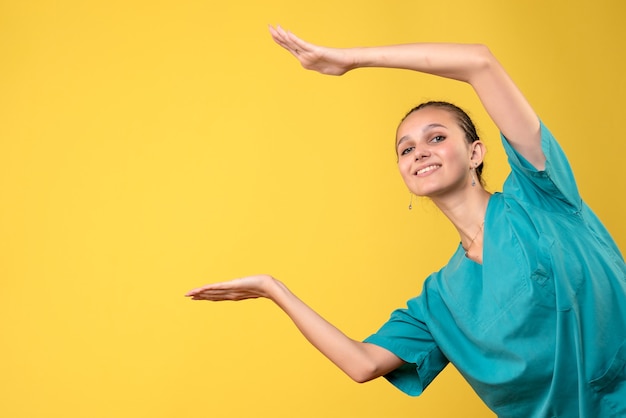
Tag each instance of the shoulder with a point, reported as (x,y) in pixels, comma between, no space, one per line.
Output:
(553,188)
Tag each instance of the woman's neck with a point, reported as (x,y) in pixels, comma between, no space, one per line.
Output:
(466,210)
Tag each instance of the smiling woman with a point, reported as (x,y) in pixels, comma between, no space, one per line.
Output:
(462,119)
(436,156)
(535,324)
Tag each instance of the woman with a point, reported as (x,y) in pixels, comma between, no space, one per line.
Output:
(534,322)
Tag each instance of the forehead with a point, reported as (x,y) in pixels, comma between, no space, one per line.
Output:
(424,120)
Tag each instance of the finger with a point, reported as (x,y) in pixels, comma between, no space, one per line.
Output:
(300,44)
(224,295)
(273,32)
(278,34)
(211,295)
(196,291)
(285,45)
(211,286)
(282,32)
(192,292)
(290,41)
(280,41)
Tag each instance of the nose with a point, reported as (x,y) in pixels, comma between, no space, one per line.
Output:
(420,153)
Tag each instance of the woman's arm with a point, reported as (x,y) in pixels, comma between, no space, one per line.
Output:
(470,63)
(361,361)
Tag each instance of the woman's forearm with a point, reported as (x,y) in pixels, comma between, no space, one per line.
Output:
(455,61)
(361,361)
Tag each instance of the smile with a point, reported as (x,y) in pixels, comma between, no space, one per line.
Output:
(427,169)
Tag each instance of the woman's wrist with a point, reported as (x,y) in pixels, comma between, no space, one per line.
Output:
(272,288)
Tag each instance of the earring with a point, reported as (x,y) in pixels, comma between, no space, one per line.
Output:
(473,176)
(411,202)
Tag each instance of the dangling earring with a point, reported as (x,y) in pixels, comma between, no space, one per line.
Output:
(473,176)
(411,202)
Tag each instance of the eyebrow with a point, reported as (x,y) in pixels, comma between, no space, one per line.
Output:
(424,129)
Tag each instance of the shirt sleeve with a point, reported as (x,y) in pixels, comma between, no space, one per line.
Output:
(553,188)
(405,335)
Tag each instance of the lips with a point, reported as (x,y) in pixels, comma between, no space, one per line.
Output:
(427,169)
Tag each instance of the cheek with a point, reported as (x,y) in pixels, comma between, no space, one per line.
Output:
(405,173)
(404,167)
(457,157)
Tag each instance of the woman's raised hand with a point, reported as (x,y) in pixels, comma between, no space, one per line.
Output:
(330,61)
(250,287)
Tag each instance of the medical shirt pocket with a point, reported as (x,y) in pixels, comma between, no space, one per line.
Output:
(553,262)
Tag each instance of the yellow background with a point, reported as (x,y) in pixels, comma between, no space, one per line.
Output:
(149,147)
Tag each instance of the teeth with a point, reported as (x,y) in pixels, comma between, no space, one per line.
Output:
(426,169)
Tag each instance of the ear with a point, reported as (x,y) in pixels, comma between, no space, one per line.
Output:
(477,153)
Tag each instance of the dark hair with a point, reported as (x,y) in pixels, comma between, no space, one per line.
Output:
(465,123)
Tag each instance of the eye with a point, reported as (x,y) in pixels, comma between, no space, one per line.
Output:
(438,138)
(407,150)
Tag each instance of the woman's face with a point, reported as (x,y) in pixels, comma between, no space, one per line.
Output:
(434,157)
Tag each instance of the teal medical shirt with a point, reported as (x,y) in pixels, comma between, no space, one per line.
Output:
(539,329)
